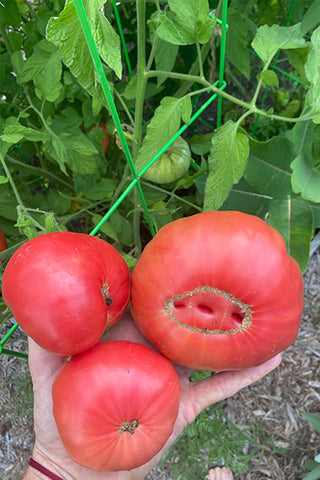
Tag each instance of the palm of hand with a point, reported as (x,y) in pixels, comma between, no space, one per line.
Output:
(194,398)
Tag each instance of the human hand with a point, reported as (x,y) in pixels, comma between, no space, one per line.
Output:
(195,396)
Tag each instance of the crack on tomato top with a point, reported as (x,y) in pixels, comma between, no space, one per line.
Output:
(209,310)
(105,294)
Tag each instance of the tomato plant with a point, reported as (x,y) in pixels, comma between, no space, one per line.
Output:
(217,291)
(65,289)
(172,164)
(3,241)
(115,405)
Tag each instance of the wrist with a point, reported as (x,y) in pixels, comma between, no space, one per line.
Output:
(42,467)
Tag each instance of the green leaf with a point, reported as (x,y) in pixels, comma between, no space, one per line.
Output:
(3,179)
(269,78)
(268,40)
(227,160)
(236,46)
(130,91)
(102,190)
(201,144)
(306,165)
(44,68)
(51,224)
(123,228)
(186,22)
(313,475)
(18,65)
(66,33)
(163,126)
(312,69)
(311,17)
(106,228)
(68,145)
(292,217)
(246,199)
(10,14)
(297,59)
(8,202)
(14,132)
(165,58)
(314,419)
(316,214)
(268,166)
(130,261)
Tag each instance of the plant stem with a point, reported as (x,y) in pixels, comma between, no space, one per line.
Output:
(153,51)
(41,171)
(141,77)
(5,38)
(17,194)
(124,105)
(249,106)
(196,78)
(13,185)
(172,195)
(200,60)
(137,135)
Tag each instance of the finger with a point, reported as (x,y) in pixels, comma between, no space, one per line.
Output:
(43,365)
(225,384)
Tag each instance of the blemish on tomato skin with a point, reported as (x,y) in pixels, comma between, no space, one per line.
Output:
(162,345)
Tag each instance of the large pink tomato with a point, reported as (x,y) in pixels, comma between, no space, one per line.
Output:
(115,405)
(217,291)
(65,289)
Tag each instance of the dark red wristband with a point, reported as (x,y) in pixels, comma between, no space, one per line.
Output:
(37,466)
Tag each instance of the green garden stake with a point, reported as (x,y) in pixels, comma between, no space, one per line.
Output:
(123,42)
(107,92)
(222,57)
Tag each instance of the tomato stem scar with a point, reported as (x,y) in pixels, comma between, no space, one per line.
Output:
(105,294)
(129,426)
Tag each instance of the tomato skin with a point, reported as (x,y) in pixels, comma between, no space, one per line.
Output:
(172,164)
(106,138)
(53,285)
(228,254)
(3,241)
(115,382)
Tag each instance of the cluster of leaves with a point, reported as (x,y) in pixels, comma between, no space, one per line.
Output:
(313,465)
(213,439)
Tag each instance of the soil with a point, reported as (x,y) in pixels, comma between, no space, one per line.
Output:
(277,403)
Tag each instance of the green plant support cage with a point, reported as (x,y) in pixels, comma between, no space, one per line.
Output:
(220,84)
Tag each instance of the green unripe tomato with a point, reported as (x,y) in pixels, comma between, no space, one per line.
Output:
(172,164)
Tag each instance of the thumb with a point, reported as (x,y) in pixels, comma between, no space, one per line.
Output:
(43,365)
(225,384)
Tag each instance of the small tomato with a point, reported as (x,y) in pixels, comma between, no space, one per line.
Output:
(172,164)
(3,241)
(106,138)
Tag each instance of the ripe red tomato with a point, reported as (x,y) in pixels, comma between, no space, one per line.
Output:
(217,291)
(65,289)
(3,241)
(106,138)
(115,405)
